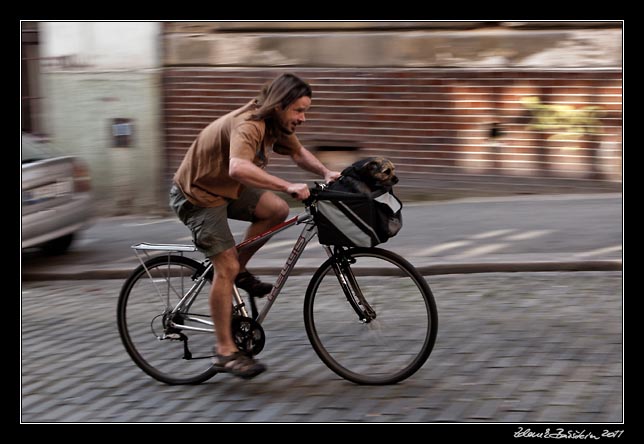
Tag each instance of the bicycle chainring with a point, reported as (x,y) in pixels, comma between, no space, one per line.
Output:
(248,335)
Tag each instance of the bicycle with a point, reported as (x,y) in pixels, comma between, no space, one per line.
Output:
(368,313)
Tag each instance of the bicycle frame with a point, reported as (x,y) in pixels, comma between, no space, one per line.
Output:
(302,241)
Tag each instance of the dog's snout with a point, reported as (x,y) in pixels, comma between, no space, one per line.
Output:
(394,180)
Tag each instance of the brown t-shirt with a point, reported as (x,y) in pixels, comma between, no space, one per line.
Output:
(203,174)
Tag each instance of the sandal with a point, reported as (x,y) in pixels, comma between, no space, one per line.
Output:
(239,364)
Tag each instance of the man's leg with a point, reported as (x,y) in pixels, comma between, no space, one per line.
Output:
(228,358)
(212,237)
(271,210)
(226,267)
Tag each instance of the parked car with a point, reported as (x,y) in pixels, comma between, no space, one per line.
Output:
(56,196)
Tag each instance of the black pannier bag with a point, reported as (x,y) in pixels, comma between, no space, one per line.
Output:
(356,219)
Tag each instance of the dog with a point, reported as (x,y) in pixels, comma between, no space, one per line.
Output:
(369,175)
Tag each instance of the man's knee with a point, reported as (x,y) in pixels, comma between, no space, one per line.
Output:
(271,207)
(281,211)
(226,264)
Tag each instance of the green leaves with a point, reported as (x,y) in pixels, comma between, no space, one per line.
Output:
(566,122)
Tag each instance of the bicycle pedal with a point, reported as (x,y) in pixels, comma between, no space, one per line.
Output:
(175,336)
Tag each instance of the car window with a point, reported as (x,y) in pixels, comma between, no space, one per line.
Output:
(31,154)
(33,150)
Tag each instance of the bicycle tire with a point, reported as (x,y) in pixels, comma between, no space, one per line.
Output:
(390,348)
(139,315)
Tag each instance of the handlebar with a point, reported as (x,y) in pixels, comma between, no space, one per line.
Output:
(334,195)
(329,194)
(313,192)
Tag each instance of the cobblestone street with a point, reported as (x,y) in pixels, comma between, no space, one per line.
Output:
(513,347)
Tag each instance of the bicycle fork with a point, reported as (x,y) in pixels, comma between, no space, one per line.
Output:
(342,267)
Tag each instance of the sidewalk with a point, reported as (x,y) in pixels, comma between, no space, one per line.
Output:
(515,263)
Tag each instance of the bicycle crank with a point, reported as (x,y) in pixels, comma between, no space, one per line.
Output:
(248,335)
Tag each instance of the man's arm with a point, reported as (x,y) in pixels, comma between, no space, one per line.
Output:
(247,173)
(307,161)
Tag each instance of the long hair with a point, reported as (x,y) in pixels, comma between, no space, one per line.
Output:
(281,92)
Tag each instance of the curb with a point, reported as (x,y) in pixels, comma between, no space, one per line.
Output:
(425,270)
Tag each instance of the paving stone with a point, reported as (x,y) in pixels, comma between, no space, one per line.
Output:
(518,347)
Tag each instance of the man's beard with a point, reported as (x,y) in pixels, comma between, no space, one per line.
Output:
(284,129)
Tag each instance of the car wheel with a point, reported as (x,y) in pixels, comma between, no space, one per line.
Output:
(58,246)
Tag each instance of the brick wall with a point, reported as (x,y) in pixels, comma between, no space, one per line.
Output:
(447,130)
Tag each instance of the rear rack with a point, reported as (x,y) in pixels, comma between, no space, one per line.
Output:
(165,247)
(142,250)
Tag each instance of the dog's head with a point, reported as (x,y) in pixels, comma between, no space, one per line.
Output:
(382,170)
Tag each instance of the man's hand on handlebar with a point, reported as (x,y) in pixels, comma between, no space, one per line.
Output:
(299,191)
(331,176)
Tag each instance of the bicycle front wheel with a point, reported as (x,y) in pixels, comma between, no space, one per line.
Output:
(397,336)
(168,354)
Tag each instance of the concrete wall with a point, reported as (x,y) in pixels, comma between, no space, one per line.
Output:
(498,47)
(125,178)
(103,45)
(94,73)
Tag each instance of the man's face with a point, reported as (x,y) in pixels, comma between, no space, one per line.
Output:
(293,115)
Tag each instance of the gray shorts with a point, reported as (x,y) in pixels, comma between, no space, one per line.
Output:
(209,226)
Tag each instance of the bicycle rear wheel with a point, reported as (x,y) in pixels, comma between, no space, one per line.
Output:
(398,336)
(146,299)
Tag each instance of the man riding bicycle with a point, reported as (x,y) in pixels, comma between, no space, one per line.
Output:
(222,176)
